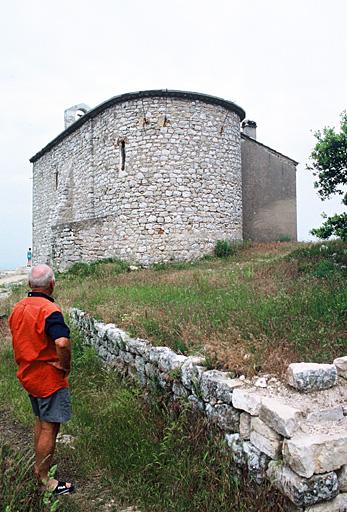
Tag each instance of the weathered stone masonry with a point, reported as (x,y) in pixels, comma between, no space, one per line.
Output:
(146,177)
(296,439)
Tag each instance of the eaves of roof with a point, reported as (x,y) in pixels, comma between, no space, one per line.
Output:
(130,96)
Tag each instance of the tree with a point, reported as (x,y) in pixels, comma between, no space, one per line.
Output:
(329,166)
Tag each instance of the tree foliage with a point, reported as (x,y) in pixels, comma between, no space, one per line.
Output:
(329,166)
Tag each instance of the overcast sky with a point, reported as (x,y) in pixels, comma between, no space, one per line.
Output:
(283,61)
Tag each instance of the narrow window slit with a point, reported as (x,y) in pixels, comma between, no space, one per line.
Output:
(56,179)
(122,154)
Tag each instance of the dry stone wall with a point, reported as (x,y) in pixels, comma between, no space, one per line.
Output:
(148,179)
(296,439)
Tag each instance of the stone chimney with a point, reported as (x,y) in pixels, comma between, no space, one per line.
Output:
(73,113)
(249,128)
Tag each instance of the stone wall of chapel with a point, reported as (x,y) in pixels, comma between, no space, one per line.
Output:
(146,180)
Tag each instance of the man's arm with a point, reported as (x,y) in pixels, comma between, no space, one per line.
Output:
(59,332)
(63,347)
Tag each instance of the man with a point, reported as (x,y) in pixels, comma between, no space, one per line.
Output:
(42,352)
(29,257)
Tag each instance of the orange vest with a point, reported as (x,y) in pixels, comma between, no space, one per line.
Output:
(33,348)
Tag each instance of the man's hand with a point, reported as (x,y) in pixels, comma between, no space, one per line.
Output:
(57,365)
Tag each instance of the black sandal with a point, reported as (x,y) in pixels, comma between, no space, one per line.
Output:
(62,488)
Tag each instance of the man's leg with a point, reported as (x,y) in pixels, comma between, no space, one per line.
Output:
(45,434)
(37,432)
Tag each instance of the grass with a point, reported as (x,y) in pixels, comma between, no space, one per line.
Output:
(257,310)
(18,490)
(263,307)
(159,457)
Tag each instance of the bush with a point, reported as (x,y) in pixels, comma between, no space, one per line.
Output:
(333,252)
(109,266)
(224,248)
(333,226)
(284,238)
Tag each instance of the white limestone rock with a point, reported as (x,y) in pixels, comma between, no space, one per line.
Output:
(140,368)
(216,385)
(310,377)
(308,454)
(280,417)
(246,454)
(260,382)
(342,476)
(265,438)
(245,425)
(257,462)
(197,405)
(139,347)
(119,337)
(341,366)
(156,352)
(270,447)
(191,371)
(225,416)
(329,414)
(169,361)
(338,504)
(247,400)
(302,491)
(179,391)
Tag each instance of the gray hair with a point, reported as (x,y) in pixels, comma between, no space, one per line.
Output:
(41,276)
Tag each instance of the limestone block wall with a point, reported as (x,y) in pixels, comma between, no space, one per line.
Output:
(146,179)
(295,436)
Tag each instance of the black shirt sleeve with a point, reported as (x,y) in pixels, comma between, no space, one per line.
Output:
(55,327)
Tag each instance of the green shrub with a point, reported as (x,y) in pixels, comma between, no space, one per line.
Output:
(334,253)
(18,488)
(108,266)
(224,248)
(284,238)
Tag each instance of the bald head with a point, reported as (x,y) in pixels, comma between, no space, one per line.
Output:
(41,276)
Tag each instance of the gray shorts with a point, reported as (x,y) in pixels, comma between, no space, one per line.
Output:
(55,408)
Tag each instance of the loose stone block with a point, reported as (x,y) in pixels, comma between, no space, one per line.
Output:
(192,370)
(179,390)
(342,477)
(338,504)
(302,491)
(138,347)
(245,453)
(198,405)
(257,462)
(245,425)
(280,417)
(311,376)
(140,368)
(341,366)
(120,337)
(307,454)
(330,414)
(156,352)
(265,438)
(216,385)
(270,447)
(168,361)
(225,416)
(247,400)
